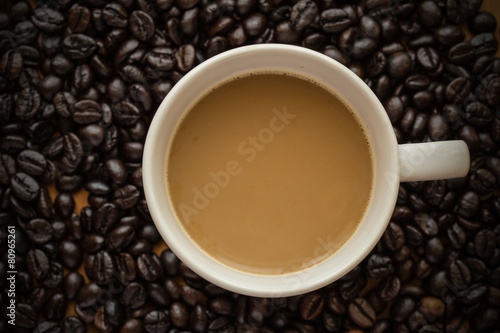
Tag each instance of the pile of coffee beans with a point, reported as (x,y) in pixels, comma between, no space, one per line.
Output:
(79,84)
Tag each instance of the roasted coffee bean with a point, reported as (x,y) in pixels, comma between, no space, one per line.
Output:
(303,14)
(63,103)
(361,313)
(126,197)
(47,19)
(311,306)
(105,218)
(73,282)
(64,204)
(119,238)
(141,25)
(115,15)
(134,295)
(484,44)
(24,186)
(26,316)
(191,296)
(179,315)
(83,77)
(149,267)
(103,268)
(379,266)
(11,64)
(39,231)
(125,113)
(483,22)
(484,243)
(38,298)
(37,263)
(78,46)
(448,34)
(428,58)
(156,321)
(55,308)
(399,64)
(31,162)
(28,104)
(71,254)
(78,19)
(334,20)
(393,237)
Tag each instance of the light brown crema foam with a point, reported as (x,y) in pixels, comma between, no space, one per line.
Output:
(269,172)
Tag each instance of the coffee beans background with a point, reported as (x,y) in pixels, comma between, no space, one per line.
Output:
(79,84)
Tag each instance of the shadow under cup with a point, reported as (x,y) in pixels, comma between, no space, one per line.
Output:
(304,62)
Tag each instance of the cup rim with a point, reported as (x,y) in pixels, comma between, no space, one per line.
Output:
(259,284)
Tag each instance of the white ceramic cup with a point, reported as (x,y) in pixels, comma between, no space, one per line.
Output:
(392,163)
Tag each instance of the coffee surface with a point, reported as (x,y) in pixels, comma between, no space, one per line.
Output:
(270,173)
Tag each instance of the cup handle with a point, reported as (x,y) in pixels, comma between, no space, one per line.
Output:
(433,160)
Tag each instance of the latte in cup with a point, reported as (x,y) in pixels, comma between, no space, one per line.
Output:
(269,172)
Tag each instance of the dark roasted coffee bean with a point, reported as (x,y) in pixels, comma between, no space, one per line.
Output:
(83,77)
(37,298)
(31,162)
(429,13)
(105,218)
(191,296)
(26,316)
(388,289)
(362,313)
(64,204)
(11,64)
(125,113)
(37,263)
(427,224)
(126,197)
(448,34)
(125,266)
(478,114)
(156,321)
(179,315)
(71,254)
(461,53)
(134,295)
(311,306)
(119,238)
(334,20)
(484,243)
(393,237)
(24,186)
(78,19)
(483,22)
(39,231)
(484,44)
(115,15)
(63,103)
(73,282)
(379,266)
(399,64)
(428,58)
(93,242)
(28,104)
(55,308)
(141,25)
(93,134)
(78,46)
(103,268)
(47,19)
(303,14)
(149,267)
(86,112)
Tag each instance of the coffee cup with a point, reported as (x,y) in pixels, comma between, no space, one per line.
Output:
(392,163)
